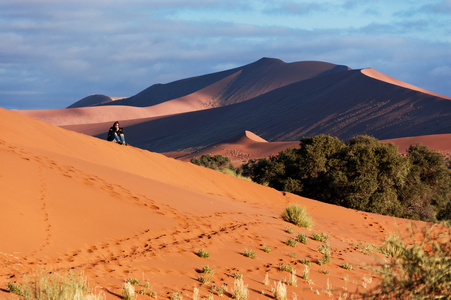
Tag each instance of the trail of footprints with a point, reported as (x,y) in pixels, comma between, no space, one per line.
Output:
(143,243)
(146,244)
(44,211)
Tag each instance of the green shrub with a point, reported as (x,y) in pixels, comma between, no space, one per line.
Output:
(15,288)
(204,279)
(249,253)
(267,249)
(133,281)
(176,296)
(326,250)
(306,261)
(420,268)
(346,266)
(393,246)
(364,174)
(285,267)
(302,238)
(216,162)
(291,242)
(297,215)
(203,253)
(321,237)
(208,270)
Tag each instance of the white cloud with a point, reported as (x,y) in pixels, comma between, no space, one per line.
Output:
(61,51)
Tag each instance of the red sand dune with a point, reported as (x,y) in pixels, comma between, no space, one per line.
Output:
(438,142)
(239,149)
(380,76)
(117,212)
(276,100)
(340,103)
(96,99)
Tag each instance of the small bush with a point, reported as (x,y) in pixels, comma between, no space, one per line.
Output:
(220,290)
(280,291)
(267,249)
(297,215)
(289,230)
(249,253)
(346,266)
(416,270)
(208,270)
(132,281)
(325,249)
(202,253)
(15,288)
(292,280)
(302,238)
(141,292)
(195,293)
(306,262)
(240,291)
(306,274)
(266,280)
(128,291)
(321,237)
(204,279)
(393,246)
(237,275)
(285,267)
(291,242)
(153,294)
(176,296)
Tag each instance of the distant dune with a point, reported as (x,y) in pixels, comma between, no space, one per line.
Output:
(438,142)
(93,100)
(240,148)
(275,100)
(74,202)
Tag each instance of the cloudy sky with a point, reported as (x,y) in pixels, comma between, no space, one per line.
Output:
(54,53)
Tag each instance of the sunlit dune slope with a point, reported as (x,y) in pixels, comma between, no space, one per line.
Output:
(70,201)
(436,142)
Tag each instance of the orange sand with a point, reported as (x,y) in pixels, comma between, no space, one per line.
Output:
(70,201)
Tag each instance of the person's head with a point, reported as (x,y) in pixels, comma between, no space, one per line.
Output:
(116,125)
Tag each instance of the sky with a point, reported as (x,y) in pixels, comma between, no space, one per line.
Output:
(54,53)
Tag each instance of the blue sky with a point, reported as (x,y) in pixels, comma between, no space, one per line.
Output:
(54,53)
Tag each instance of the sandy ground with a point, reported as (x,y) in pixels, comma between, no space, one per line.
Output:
(70,201)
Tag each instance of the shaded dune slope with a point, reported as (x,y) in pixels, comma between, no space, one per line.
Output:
(249,81)
(342,104)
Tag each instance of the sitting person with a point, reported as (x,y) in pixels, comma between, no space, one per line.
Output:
(116,134)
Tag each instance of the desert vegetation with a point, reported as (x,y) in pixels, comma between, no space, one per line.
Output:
(49,285)
(220,163)
(418,266)
(297,215)
(363,174)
